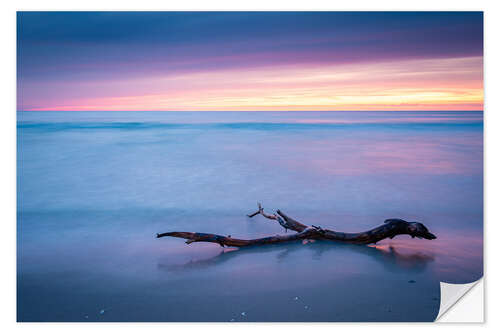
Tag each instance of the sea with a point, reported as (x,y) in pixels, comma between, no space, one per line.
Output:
(94,189)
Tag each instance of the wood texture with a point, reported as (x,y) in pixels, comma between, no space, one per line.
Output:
(390,229)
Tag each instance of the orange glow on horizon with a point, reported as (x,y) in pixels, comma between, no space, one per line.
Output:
(430,84)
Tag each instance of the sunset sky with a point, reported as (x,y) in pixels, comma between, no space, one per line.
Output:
(250,61)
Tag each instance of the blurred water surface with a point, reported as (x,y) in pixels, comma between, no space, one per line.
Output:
(95,187)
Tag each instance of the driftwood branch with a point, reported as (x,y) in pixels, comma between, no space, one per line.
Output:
(285,221)
(390,229)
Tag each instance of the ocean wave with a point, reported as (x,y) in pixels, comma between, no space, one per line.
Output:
(65,126)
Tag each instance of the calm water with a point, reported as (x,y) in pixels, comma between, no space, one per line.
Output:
(95,187)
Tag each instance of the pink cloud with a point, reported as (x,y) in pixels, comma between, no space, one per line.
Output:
(422,84)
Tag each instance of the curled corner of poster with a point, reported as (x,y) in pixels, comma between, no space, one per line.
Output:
(461,303)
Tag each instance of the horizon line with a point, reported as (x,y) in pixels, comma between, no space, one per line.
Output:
(250,110)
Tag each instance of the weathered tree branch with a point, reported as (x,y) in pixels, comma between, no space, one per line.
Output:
(285,221)
(390,229)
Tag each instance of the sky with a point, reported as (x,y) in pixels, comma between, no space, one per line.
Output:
(218,61)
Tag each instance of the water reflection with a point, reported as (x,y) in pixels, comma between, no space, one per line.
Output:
(390,257)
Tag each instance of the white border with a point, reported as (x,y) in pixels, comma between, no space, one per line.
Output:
(8,140)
